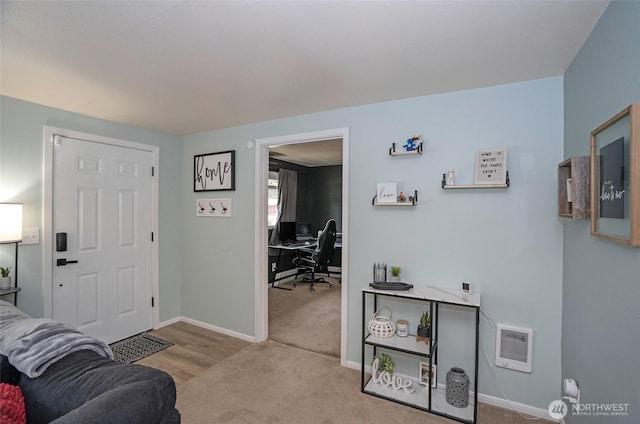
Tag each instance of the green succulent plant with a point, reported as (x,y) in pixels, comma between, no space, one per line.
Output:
(425,320)
(395,271)
(386,363)
(5,271)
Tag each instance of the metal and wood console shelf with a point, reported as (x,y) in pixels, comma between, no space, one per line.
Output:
(426,398)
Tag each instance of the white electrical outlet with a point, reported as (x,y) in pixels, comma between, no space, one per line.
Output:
(30,236)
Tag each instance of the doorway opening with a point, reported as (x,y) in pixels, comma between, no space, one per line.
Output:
(262,231)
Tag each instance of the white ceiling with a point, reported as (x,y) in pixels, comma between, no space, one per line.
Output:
(184,67)
(314,153)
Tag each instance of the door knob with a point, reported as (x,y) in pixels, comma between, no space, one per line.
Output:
(64,262)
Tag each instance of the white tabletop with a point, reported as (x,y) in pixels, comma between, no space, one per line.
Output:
(440,294)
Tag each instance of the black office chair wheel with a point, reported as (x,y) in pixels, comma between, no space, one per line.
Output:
(311,289)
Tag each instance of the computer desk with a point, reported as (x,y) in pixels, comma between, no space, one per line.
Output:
(293,248)
(289,248)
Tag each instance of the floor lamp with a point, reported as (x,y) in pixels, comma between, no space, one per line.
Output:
(11,232)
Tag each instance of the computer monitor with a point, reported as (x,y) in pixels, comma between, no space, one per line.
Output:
(287,231)
(303,230)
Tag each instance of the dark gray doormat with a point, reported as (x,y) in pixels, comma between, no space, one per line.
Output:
(137,347)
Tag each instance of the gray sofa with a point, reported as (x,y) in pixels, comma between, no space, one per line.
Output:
(81,385)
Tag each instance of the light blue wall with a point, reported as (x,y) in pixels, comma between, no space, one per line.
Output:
(508,242)
(21,180)
(601,290)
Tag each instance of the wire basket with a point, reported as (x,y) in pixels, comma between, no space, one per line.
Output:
(380,325)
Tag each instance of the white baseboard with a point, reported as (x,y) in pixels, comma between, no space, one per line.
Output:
(354,365)
(217,329)
(515,406)
(168,322)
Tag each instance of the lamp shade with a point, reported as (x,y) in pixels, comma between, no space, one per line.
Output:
(10,222)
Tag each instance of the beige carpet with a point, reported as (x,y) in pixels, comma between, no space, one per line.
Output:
(296,377)
(304,319)
(273,383)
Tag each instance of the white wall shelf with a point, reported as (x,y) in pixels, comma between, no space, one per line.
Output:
(374,202)
(472,186)
(394,152)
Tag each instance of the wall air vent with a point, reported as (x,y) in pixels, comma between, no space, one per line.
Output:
(514,348)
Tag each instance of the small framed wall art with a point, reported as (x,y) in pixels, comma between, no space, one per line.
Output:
(387,192)
(615,178)
(214,171)
(491,166)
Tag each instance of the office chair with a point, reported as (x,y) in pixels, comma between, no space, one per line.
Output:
(318,259)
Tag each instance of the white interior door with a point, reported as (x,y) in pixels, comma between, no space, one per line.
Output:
(102,200)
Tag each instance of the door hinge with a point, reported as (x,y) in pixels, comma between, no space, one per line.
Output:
(152,302)
(153,171)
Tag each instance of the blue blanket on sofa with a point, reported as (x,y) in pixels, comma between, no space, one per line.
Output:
(32,344)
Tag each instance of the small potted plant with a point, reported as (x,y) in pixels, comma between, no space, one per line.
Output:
(424,328)
(5,279)
(395,274)
(385,363)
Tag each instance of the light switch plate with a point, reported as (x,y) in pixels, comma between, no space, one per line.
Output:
(30,236)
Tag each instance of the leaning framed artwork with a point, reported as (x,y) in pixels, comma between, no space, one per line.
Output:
(427,375)
(214,171)
(615,178)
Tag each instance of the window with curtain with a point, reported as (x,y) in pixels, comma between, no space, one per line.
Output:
(272,215)
(287,198)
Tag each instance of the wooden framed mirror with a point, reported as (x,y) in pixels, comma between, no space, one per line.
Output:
(615,178)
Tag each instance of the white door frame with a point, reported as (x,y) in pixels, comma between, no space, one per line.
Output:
(261,228)
(47,224)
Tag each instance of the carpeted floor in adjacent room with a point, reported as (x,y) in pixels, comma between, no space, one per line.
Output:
(305,319)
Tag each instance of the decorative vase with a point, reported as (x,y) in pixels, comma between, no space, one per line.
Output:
(450,178)
(394,278)
(5,282)
(457,388)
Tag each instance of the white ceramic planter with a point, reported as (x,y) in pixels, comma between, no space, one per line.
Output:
(5,282)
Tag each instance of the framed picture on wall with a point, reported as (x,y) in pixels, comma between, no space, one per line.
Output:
(214,171)
(615,178)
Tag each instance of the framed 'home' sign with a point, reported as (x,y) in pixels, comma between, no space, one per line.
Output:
(214,171)
(615,178)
